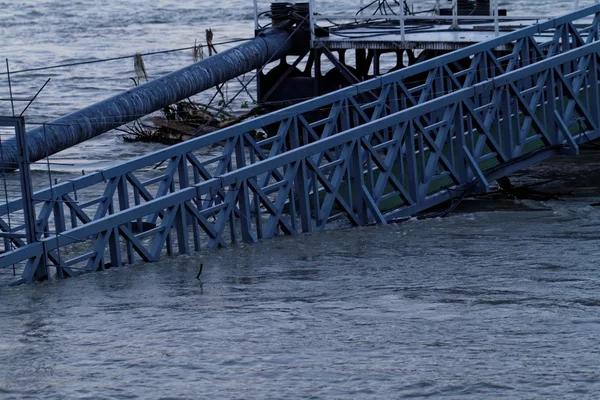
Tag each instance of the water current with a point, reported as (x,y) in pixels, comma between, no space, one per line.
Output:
(499,300)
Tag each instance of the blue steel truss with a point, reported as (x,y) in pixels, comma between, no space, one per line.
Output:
(385,149)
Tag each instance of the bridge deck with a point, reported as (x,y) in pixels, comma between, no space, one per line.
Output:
(425,32)
(438,36)
(385,149)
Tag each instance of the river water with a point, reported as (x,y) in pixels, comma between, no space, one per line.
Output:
(499,300)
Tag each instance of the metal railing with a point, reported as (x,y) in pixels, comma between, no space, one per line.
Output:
(406,23)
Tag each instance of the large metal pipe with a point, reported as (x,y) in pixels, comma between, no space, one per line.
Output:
(118,110)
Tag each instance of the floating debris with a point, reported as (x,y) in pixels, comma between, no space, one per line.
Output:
(183,121)
(187,119)
(198,51)
(139,68)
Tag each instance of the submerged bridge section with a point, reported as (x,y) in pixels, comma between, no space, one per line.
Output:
(375,152)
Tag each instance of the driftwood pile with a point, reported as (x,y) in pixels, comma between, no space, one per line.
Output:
(182,121)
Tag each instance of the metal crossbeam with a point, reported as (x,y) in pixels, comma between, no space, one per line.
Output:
(380,150)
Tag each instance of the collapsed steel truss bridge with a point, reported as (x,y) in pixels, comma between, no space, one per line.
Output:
(378,151)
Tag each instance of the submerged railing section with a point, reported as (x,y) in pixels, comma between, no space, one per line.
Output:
(384,149)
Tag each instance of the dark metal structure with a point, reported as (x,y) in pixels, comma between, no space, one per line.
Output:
(346,50)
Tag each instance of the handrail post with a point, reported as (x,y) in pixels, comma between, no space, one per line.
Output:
(311,6)
(402,24)
(255,15)
(26,182)
(454,14)
(496,20)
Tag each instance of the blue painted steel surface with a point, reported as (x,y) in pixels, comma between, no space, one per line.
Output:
(382,150)
(118,110)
